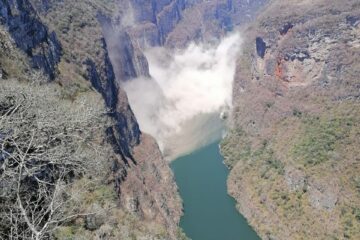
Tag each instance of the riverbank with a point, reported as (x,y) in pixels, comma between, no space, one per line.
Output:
(209,212)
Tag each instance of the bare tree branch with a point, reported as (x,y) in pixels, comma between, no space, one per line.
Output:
(45,144)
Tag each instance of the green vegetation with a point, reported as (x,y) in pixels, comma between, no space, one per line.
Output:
(314,144)
(67,122)
(319,139)
(67,114)
(13,63)
(81,37)
(297,113)
(242,146)
(236,147)
(356,181)
(181,235)
(113,222)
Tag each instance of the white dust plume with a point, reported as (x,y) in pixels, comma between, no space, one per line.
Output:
(181,105)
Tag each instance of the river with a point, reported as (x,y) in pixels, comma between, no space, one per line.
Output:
(209,212)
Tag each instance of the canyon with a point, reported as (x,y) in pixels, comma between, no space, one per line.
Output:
(91,48)
(163,78)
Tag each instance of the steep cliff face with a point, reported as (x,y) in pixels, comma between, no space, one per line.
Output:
(126,133)
(209,20)
(10,54)
(174,23)
(153,20)
(293,147)
(90,61)
(129,60)
(31,35)
(143,182)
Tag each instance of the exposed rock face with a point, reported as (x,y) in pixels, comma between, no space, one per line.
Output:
(155,19)
(31,35)
(129,61)
(260,47)
(125,134)
(143,181)
(209,20)
(174,23)
(293,150)
(98,51)
(295,179)
(323,196)
(158,199)
(9,54)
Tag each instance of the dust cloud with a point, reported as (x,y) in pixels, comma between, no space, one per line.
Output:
(181,104)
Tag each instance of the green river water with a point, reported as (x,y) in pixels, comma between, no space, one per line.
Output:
(209,212)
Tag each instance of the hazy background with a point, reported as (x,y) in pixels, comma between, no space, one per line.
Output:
(181,104)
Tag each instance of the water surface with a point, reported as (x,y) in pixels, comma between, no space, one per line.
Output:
(209,212)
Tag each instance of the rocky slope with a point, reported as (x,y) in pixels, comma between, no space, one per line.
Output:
(68,41)
(293,148)
(86,49)
(206,21)
(43,47)
(175,23)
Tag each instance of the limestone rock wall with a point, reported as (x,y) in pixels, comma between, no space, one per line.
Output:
(31,35)
(292,148)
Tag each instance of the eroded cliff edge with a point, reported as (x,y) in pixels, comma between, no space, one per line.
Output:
(86,48)
(66,42)
(294,145)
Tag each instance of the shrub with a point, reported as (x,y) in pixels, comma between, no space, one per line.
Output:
(319,139)
(45,142)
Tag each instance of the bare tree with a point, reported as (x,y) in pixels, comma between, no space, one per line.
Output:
(45,143)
